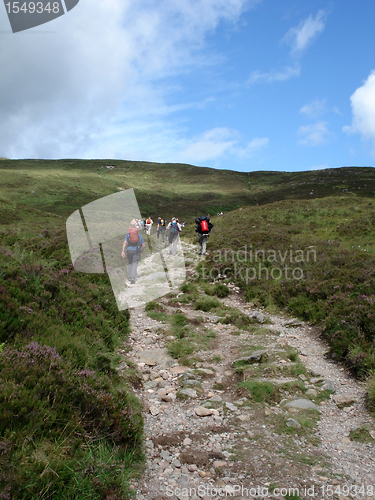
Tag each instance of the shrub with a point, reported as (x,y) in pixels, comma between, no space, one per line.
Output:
(206,304)
(370,386)
(47,405)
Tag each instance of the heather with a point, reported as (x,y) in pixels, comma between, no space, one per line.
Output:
(69,425)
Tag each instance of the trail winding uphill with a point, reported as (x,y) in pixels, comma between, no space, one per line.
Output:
(205,437)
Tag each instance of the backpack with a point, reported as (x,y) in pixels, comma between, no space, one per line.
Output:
(133,236)
(162,222)
(204,226)
(173,228)
(148,221)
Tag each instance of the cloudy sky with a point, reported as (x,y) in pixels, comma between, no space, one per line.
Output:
(233,84)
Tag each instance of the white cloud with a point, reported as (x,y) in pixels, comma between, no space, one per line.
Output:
(275,76)
(254,146)
(215,143)
(363,109)
(303,35)
(209,146)
(323,166)
(314,109)
(313,135)
(103,77)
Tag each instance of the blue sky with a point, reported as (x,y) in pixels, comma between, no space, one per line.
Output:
(232,84)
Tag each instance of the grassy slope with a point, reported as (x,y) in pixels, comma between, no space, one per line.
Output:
(338,289)
(62,186)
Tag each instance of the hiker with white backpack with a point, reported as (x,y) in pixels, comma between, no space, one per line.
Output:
(149,223)
(174,229)
(134,245)
(203,228)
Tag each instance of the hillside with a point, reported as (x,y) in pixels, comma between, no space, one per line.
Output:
(61,186)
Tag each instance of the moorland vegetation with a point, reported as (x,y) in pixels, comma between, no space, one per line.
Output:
(68,421)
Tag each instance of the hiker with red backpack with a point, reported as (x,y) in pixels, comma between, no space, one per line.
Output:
(134,245)
(203,229)
(174,229)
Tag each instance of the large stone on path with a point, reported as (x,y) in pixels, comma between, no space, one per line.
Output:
(303,404)
(254,357)
(201,411)
(191,393)
(345,399)
(179,369)
(158,357)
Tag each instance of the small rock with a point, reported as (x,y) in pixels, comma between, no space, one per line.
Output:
(191,383)
(216,398)
(176,463)
(244,418)
(256,356)
(165,456)
(187,442)
(328,386)
(231,406)
(201,411)
(293,323)
(345,440)
(345,399)
(154,410)
(168,398)
(311,392)
(258,316)
(219,463)
(192,467)
(316,380)
(302,376)
(207,371)
(179,369)
(189,392)
(291,422)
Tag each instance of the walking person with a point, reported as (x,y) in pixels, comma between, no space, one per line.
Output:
(203,229)
(149,223)
(174,229)
(161,228)
(134,245)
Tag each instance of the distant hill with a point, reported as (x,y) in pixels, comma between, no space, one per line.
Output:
(62,186)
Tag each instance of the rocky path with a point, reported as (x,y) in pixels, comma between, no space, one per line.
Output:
(207,438)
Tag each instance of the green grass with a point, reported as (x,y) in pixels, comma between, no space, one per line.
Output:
(330,240)
(261,392)
(206,304)
(362,435)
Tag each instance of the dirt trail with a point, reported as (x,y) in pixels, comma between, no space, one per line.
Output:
(206,438)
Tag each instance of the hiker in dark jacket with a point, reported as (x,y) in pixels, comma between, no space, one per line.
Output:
(134,245)
(203,228)
(161,228)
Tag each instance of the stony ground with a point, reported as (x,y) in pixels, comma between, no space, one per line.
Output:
(207,437)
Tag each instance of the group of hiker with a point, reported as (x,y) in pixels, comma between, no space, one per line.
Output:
(134,242)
